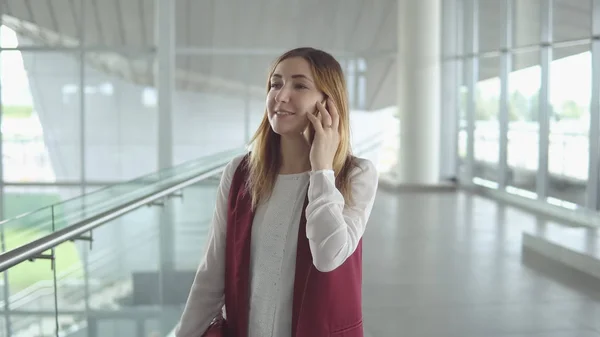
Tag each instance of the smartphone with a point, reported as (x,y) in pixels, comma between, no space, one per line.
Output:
(311,129)
(324,102)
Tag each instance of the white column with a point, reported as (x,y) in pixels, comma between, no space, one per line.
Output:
(419,29)
(164,75)
(593,185)
(544,106)
(451,77)
(165,84)
(506,57)
(3,246)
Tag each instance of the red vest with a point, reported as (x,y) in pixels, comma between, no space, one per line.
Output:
(324,304)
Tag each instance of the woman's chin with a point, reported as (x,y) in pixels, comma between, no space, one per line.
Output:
(286,130)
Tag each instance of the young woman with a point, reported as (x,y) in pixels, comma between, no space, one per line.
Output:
(284,257)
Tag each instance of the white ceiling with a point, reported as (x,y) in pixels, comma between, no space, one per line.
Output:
(242,37)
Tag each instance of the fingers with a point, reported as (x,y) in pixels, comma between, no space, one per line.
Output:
(316,122)
(325,116)
(335,116)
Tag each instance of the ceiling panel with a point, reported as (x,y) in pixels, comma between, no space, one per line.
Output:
(67,16)
(131,14)
(361,26)
(386,39)
(110,25)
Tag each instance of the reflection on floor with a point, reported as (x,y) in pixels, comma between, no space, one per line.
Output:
(450,265)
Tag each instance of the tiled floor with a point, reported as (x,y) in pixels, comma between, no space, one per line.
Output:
(449,265)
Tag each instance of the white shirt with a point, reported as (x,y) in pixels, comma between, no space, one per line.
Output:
(332,228)
(273,257)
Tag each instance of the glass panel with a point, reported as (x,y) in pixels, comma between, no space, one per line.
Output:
(120,117)
(42,22)
(31,225)
(492,20)
(70,285)
(486,119)
(74,210)
(385,156)
(119,276)
(211,101)
(463,92)
(35,302)
(19,200)
(570,97)
(152,327)
(192,223)
(192,217)
(3,323)
(526,29)
(41,116)
(523,126)
(21,231)
(110,197)
(123,268)
(572,20)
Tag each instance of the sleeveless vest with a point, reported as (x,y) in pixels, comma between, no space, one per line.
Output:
(324,304)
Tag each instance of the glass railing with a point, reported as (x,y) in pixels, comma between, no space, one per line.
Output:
(130,275)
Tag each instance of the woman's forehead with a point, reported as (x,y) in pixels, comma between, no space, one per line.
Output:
(293,66)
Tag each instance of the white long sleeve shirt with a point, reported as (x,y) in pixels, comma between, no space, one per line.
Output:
(332,228)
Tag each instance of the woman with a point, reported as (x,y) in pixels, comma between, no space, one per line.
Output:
(285,253)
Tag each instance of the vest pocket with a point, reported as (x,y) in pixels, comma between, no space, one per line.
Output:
(354,330)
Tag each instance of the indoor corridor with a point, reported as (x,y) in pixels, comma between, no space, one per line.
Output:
(437,262)
(481,117)
(450,264)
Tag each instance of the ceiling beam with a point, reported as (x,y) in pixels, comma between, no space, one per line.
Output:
(77,23)
(142,13)
(187,38)
(233,51)
(386,16)
(53,19)
(101,39)
(350,37)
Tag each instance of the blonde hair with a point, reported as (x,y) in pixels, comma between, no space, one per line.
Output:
(265,158)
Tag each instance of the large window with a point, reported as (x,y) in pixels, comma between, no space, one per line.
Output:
(120,117)
(75,116)
(570,96)
(523,126)
(534,51)
(487,103)
(463,136)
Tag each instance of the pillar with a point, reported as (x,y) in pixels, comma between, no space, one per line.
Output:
(164,79)
(165,85)
(418,64)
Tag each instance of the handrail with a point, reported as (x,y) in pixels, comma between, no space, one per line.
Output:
(34,248)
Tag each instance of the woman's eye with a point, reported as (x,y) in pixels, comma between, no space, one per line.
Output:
(275,85)
(301,86)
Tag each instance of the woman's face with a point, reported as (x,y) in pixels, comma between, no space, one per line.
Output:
(291,96)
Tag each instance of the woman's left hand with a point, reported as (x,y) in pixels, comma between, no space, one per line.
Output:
(327,136)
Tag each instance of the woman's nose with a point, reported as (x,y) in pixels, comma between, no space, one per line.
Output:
(283,95)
